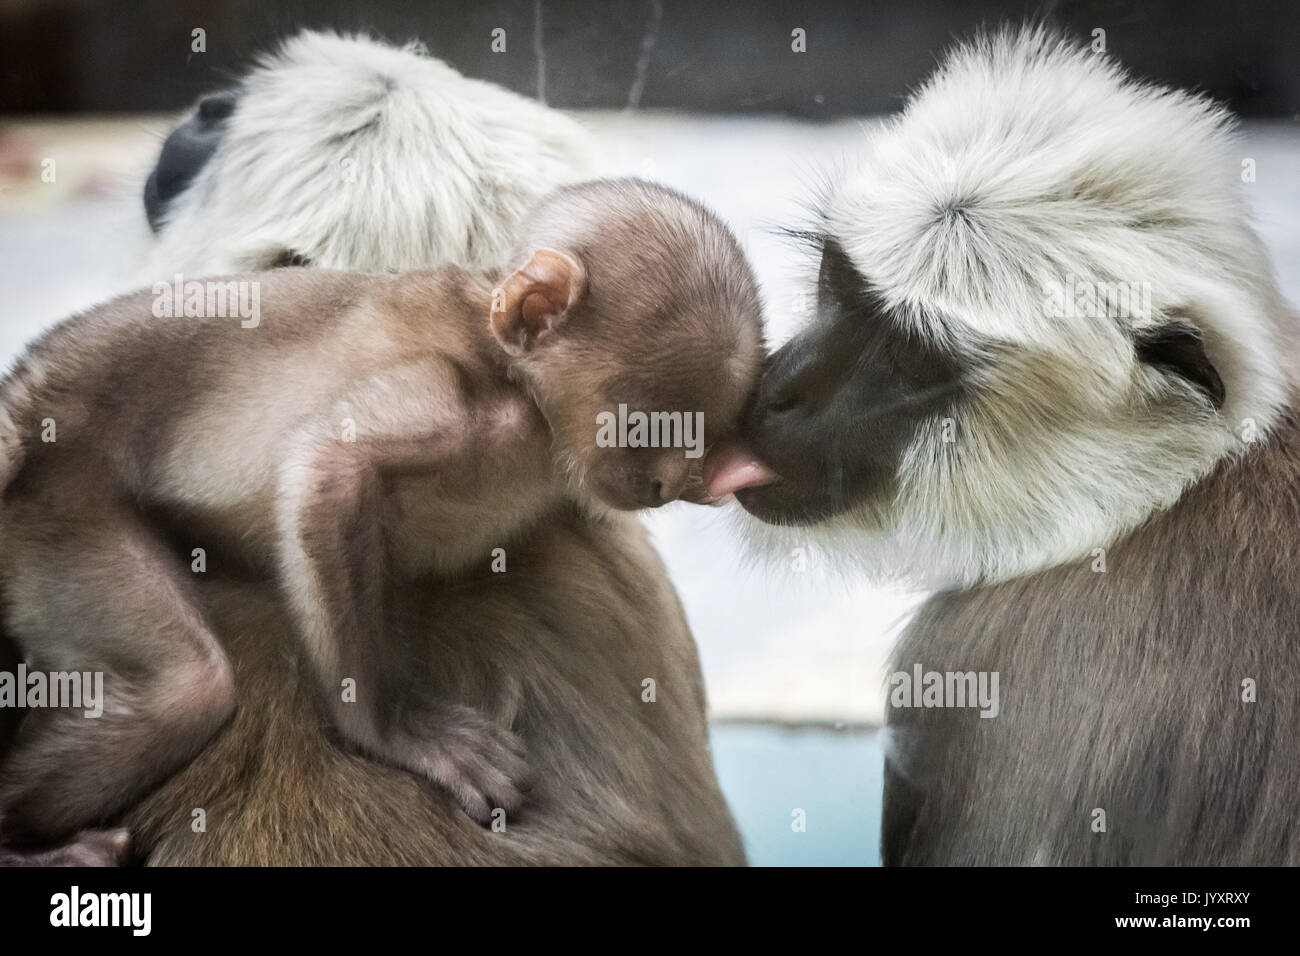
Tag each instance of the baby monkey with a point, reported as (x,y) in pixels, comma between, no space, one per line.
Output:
(370,429)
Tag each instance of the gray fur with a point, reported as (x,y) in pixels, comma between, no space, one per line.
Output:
(1122,691)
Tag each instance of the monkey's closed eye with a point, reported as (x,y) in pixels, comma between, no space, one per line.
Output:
(1177,347)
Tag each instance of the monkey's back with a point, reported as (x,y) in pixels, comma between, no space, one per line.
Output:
(195,409)
(121,362)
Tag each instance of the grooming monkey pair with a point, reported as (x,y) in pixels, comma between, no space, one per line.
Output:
(474,400)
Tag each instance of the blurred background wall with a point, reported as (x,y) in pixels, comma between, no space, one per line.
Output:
(102,56)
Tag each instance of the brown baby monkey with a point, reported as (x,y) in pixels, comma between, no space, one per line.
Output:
(365,430)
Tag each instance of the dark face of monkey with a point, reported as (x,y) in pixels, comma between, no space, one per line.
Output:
(635,322)
(837,406)
(184,152)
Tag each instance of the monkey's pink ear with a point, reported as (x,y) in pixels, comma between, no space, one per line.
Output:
(536,298)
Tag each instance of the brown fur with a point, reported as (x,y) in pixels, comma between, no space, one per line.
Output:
(558,646)
(464,436)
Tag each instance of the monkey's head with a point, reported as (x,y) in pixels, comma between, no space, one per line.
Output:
(348,153)
(1041,315)
(635,321)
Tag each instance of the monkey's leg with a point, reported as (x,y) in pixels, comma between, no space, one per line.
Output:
(95,592)
(334,563)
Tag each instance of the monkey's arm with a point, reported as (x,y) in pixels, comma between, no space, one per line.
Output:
(331,506)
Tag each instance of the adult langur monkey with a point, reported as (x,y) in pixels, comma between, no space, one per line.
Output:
(342,152)
(1051,374)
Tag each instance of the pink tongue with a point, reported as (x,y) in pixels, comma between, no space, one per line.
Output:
(732,466)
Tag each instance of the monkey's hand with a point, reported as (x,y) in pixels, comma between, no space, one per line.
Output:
(463,751)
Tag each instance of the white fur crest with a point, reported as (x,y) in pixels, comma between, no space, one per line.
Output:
(1027,161)
(353,154)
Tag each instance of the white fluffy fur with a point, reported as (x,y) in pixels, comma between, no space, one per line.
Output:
(1026,159)
(358,155)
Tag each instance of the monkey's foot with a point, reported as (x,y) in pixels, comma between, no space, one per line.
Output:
(475,759)
(87,848)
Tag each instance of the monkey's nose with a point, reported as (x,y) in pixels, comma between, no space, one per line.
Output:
(657,487)
(646,484)
(652,491)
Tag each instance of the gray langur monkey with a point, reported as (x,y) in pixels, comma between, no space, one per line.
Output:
(559,647)
(368,429)
(1051,375)
(345,153)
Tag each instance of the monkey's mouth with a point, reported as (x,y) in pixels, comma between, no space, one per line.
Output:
(781,503)
(733,468)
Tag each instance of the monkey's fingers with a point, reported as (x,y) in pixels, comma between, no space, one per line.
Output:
(478,761)
(486,783)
